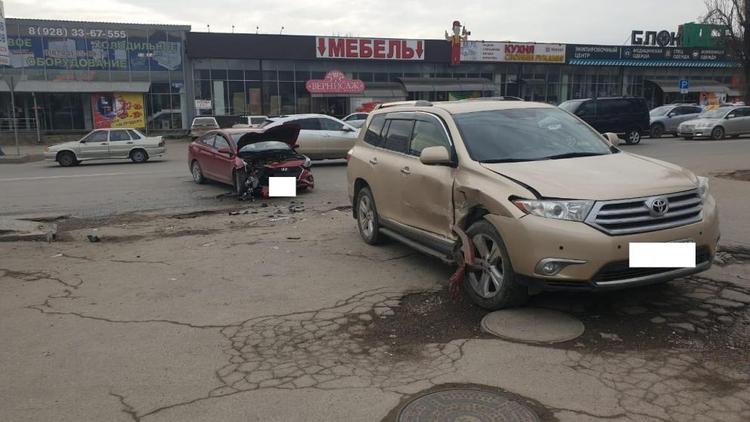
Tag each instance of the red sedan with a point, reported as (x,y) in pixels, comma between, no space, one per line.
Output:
(245,159)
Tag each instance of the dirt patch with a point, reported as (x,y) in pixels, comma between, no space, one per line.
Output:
(742,175)
(424,318)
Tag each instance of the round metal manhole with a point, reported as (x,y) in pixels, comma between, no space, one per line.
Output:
(533,325)
(466,405)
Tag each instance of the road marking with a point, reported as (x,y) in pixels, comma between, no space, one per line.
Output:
(73,176)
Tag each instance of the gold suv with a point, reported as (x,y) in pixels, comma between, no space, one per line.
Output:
(523,196)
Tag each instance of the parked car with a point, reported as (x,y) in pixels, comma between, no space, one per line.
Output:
(522,194)
(107,144)
(202,125)
(321,136)
(666,119)
(717,123)
(253,121)
(356,119)
(625,116)
(246,158)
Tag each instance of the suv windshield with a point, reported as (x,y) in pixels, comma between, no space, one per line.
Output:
(527,134)
(717,113)
(660,111)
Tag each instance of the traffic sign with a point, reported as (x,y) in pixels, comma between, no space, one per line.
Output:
(684,85)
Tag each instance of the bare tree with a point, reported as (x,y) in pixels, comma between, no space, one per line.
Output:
(734,14)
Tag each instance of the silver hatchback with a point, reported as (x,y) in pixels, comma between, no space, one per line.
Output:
(717,123)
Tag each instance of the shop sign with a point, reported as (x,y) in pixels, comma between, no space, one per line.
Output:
(369,48)
(203,104)
(659,53)
(483,51)
(606,52)
(88,46)
(118,110)
(661,38)
(4,53)
(335,82)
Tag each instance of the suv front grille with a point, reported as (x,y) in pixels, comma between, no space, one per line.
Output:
(630,216)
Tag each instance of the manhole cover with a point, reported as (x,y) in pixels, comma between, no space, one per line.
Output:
(532,325)
(466,405)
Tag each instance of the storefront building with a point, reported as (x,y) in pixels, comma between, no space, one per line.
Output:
(75,76)
(238,74)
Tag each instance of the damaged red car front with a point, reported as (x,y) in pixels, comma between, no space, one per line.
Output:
(246,158)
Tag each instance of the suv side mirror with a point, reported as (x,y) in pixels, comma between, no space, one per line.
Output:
(613,139)
(671,114)
(435,156)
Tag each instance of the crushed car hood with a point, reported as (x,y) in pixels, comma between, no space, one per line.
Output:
(616,176)
(286,133)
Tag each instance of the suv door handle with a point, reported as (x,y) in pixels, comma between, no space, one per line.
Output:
(373,161)
(129,143)
(103,143)
(406,170)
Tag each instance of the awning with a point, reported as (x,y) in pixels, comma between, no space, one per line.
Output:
(651,63)
(77,86)
(384,90)
(447,84)
(670,85)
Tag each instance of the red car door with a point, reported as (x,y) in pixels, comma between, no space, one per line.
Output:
(203,152)
(222,162)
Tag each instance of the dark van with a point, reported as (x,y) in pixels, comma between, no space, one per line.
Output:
(626,116)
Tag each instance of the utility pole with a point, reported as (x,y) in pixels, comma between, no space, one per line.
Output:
(11,85)
(36,119)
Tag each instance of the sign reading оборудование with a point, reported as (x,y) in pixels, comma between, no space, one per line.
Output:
(4,53)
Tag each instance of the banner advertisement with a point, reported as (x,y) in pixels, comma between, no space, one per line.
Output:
(118,110)
(490,51)
(4,53)
(646,53)
(65,45)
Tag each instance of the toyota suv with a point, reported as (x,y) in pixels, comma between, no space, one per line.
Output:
(523,197)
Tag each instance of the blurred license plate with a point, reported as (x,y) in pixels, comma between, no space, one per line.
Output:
(676,254)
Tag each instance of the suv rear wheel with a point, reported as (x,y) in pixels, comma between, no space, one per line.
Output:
(491,283)
(367,217)
(633,137)
(657,130)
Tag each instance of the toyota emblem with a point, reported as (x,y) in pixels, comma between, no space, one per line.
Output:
(657,207)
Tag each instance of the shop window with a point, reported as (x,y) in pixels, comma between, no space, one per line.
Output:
(235,75)
(236,97)
(286,76)
(219,74)
(252,75)
(303,98)
(269,75)
(254,102)
(302,76)
(286,92)
(380,77)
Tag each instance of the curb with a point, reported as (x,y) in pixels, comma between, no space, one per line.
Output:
(24,158)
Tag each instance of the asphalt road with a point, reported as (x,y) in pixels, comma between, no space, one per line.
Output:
(96,189)
(43,189)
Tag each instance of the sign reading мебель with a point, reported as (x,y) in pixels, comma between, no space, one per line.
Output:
(4,53)
(89,46)
(369,48)
(488,51)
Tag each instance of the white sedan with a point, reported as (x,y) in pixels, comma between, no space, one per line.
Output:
(320,136)
(107,144)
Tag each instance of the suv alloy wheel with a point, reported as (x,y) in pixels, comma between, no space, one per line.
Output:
(633,137)
(367,217)
(491,283)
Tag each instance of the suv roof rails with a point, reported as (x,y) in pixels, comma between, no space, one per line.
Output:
(499,98)
(418,103)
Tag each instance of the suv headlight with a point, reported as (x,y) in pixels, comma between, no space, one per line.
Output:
(703,187)
(560,210)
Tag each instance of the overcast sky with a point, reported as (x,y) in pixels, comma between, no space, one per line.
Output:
(571,21)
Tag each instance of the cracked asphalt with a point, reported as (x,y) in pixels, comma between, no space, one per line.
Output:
(250,312)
